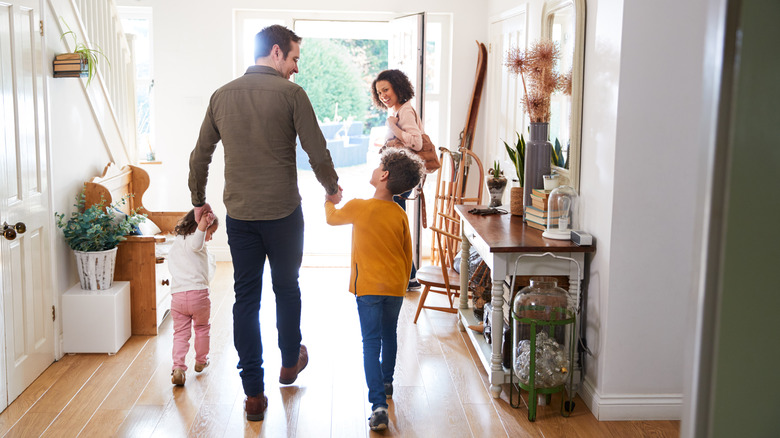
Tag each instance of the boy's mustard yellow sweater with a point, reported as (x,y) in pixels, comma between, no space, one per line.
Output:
(381,245)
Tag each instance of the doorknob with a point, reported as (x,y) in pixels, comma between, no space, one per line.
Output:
(10,231)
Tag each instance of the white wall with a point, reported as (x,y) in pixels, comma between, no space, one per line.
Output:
(77,149)
(599,118)
(655,227)
(193,56)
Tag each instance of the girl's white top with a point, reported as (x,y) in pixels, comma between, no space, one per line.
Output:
(190,264)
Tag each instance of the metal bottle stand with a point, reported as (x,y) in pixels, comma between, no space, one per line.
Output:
(569,320)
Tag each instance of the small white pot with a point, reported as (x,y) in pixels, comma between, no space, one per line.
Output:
(96,268)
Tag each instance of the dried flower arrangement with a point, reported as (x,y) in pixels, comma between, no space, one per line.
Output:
(537,64)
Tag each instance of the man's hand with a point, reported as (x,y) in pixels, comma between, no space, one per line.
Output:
(336,197)
(199,211)
(206,219)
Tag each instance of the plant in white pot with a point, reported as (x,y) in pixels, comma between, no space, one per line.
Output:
(93,234)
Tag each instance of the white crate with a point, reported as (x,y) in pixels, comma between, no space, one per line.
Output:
(96,321)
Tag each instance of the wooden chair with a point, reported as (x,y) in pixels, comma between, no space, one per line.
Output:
(440,277)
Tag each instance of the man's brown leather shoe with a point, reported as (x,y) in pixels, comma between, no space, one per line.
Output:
(288,375)
(255,407)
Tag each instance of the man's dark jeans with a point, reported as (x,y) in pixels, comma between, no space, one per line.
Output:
(250,242)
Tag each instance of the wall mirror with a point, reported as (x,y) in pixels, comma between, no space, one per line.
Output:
(563,21)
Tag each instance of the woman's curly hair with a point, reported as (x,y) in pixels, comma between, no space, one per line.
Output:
(403,89)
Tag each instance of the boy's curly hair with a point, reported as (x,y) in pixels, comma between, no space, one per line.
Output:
(403,89)
(187,224)
(405,169)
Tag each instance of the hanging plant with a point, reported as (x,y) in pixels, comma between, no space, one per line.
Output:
(87,57)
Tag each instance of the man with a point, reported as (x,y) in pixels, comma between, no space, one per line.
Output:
(257,118)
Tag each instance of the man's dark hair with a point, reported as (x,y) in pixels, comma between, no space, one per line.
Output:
(405,169)
(403,89)
(276,34)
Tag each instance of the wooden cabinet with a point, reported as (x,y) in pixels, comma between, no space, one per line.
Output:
(150,282)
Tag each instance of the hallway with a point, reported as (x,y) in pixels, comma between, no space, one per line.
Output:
(440,388)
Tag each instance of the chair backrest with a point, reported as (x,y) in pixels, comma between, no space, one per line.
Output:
(451,185)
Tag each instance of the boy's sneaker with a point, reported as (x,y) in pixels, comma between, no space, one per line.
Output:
(413,285)
(378,419)
(389,390)
(200,366)
(178,377)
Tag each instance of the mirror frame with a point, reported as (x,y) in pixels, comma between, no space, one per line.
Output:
(571,176)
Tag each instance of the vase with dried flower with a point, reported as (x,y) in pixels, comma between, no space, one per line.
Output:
(536,67)
(496,183)
(517,155)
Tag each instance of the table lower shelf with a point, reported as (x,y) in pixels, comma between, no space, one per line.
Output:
(484,350)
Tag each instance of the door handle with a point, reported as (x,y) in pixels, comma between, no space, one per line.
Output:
(10,231)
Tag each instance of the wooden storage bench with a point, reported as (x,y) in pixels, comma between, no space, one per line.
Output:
(138,260)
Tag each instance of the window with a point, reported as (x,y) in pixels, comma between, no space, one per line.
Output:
(137,22)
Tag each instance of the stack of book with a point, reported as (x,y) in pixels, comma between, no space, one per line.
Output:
(69,65)
(537,213)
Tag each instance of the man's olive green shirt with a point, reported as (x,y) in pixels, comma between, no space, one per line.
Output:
(257,117)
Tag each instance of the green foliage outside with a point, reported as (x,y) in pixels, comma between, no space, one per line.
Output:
(96,228)
(338,73)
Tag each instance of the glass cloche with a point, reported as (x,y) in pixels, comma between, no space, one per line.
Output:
(562,213)
(542,312)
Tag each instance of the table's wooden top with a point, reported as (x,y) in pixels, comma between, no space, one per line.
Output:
(508,233)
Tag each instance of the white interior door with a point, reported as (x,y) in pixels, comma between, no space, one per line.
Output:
(505,90)
(406,52)
(26,306)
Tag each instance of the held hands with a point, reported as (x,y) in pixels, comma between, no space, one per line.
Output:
(336,197)
(206,219)
(199,211)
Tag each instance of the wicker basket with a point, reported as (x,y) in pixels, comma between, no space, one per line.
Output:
(516,201)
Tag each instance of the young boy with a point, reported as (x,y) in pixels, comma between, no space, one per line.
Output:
(381,263)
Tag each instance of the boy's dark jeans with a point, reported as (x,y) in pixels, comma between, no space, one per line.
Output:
(378,322)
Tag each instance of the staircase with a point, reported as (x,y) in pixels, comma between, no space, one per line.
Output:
(111,94)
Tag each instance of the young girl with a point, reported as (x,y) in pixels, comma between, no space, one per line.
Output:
(393,90)
(191,270)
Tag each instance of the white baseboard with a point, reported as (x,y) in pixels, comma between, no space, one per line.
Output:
(633,407)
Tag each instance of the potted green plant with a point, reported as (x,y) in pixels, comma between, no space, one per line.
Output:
(82,62)
(517,155)
(93,234)
(496,183)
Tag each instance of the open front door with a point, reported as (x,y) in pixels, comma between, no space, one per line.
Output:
(27,342)
(406,50)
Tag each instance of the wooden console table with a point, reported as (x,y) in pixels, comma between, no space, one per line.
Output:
(500,239)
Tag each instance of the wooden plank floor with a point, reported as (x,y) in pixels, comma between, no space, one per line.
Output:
(440,387)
